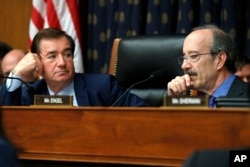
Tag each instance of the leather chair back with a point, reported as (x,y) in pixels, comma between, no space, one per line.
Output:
(135,58)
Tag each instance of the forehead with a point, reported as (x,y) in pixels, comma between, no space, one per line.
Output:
(54,44)
(246,68)
(198,40)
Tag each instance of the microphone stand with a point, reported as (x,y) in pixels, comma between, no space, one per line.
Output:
(17,79)
(137,83)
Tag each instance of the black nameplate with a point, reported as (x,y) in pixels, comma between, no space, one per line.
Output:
(58,100)
(186,101)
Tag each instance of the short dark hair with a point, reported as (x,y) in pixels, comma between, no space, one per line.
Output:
(222,41)
(50,33)
(241,61)
(4,49)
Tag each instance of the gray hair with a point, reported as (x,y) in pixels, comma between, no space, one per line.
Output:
(222,41)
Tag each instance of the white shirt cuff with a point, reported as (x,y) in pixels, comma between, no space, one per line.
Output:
(11,83)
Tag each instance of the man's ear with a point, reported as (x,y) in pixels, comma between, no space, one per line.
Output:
(220,60)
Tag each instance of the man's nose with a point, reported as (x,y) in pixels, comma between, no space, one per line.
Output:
(61,59)
(186,65)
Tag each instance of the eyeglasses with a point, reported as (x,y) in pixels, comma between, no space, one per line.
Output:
(192,58)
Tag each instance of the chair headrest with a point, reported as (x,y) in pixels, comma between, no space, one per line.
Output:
(139,56)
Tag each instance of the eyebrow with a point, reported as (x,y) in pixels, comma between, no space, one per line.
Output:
(53,52)
(190,52)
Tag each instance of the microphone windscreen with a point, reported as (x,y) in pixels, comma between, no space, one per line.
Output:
(158,73)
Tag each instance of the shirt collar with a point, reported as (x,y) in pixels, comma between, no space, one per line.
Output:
(69,90)
(223,88)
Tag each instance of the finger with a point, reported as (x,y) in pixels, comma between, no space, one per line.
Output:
(181,84)
(39,66)
(170,89)
(187,80)
(178,86)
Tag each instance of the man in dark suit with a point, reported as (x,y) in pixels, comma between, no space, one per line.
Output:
(209,65)
(8,155)
(208,158)
(219,158)
(243,68)
(52,57)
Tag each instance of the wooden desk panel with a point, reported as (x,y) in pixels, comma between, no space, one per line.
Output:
(149,136)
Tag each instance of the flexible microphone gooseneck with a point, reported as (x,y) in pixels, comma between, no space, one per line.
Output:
(29,88)
(152,75)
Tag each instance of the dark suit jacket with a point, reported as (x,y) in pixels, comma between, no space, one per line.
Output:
(208,158)
(239,88)
(217,158)
(8,155)
(90,90)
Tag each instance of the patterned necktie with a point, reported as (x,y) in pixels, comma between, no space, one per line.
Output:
(212,101)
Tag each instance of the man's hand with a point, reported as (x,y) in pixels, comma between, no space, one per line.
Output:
(179,85)
(27,65)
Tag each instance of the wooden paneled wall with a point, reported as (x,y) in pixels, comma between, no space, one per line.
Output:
(14,22)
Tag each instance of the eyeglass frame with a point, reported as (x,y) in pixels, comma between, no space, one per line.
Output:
(192,58)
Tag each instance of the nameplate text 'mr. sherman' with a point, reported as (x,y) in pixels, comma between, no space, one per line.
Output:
(186,101)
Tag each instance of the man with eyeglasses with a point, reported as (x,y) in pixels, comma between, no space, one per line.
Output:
(208,63)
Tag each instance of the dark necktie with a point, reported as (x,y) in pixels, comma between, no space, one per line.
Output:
(212,101)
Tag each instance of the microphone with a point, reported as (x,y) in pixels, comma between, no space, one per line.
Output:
(154,74)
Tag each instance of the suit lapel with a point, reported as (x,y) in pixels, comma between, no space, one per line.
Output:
(80,91)
(236,89)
